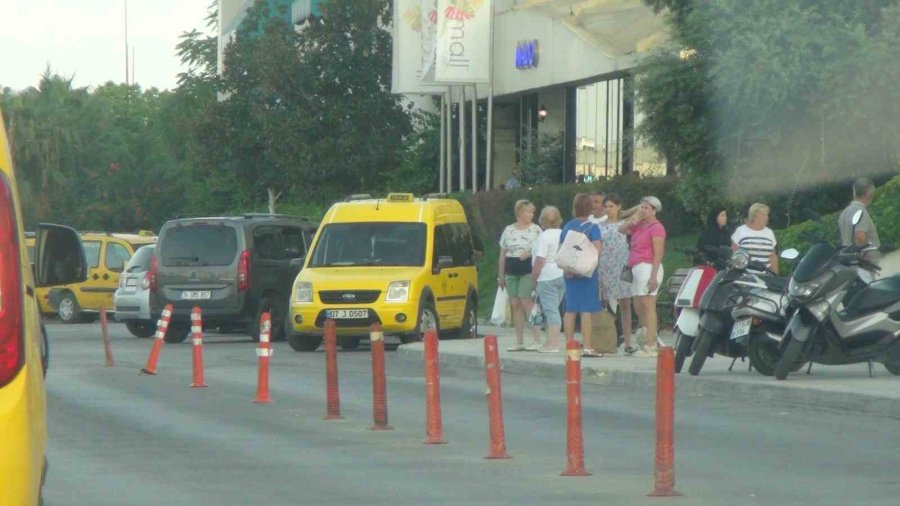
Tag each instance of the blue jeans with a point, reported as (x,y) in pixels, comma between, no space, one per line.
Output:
(550,294)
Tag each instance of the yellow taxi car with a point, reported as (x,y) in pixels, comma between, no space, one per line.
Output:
(106,254)
(59,258)
(405,263)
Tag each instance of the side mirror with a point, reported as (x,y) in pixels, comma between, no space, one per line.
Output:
(444,261)
(857,217)
(790,254)
(59,256)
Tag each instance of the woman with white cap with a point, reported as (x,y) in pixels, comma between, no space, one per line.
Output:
(648,243)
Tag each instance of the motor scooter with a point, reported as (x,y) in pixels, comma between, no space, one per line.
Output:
(687,301)
(842,316)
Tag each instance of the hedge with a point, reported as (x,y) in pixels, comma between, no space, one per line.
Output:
(885,210)
(489,212)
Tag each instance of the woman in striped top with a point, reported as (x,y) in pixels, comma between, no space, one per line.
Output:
(756,238)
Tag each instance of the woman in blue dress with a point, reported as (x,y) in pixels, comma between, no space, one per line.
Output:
(582,294)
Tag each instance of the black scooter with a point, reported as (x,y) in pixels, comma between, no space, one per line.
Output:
(841,317)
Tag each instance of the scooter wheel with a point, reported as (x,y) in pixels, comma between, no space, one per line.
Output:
(789,359)
(701,352)
(682,350)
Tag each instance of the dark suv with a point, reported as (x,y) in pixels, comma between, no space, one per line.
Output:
(233,268)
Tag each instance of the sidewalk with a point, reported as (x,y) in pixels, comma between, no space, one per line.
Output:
(846,388)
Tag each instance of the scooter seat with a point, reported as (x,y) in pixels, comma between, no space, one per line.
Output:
(776,284)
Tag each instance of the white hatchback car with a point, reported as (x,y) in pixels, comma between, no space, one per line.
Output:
(132,298)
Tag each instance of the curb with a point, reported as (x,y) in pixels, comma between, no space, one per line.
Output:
(767,392)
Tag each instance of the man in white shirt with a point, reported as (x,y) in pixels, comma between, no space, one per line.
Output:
(756,238)
(598,212)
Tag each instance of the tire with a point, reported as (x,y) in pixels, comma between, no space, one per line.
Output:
(67,309)
(682,350)
(893,367)
(304,343)
(177,334)
(469,328)
(276,309)
(789,357)
(763,353)
(426,320)
(703,346)
(141,329)
(348,343)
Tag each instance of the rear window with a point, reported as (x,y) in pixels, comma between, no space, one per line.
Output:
(141,260)
(199,245)
(387,244)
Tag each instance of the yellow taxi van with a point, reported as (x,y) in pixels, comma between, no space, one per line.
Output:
(403,262)
(107,255)
(58,259)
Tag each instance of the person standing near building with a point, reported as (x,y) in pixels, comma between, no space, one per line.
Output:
(549,277)
(756,238)
(615,293)
(865,233)
(514,267)
(513,182)
(582,293)
(598,212)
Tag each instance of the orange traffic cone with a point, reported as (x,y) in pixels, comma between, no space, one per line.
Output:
(263,352)
(197,331)
(162,326)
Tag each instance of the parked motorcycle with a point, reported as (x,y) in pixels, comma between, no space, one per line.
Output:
(687,301)
(842,316)
(727,291)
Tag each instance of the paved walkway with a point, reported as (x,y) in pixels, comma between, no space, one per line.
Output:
(828,387)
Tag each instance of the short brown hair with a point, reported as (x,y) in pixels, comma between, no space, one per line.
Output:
(581,205)
(550,217)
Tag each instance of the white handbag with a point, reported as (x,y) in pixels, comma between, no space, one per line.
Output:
(577,253)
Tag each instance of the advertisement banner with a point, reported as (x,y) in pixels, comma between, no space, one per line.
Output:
(408,57)
(463,41)
(429,39)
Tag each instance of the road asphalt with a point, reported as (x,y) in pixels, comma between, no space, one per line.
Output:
(120,438)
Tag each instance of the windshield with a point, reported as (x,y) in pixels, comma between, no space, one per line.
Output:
(141,260)
(388,244)
(193,245)
(814,262)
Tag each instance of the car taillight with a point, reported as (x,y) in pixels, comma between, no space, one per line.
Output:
(243,275)
(150,277)
(11,345)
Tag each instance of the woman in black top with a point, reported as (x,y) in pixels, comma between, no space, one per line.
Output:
(715,234)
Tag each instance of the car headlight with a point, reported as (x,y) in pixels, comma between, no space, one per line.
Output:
(398,291)
(304,292)
(740,259)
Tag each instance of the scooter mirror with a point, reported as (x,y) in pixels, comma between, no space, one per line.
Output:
(857,216)
(790,254)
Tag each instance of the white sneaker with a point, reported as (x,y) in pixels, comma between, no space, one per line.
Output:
(535,346)
(646,352)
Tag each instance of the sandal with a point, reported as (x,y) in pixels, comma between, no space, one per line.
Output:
(590,352)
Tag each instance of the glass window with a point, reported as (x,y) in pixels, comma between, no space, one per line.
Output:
(442,239)
(461,246)
(92,253)
(388,244)
(140,261)
(294,244)
(267,243)
(116,256)
(199,245)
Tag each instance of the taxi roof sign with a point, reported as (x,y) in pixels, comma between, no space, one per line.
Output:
(400,197)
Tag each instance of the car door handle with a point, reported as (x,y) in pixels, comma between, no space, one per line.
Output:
(95,276)
(453,275)
(106,276)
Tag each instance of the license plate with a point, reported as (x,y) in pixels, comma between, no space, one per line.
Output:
(196,295)
(347,314)
(741,328)
(130,282)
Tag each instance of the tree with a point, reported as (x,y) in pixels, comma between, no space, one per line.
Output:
(779,92)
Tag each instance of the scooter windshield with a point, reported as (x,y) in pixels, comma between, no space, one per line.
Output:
(815,262)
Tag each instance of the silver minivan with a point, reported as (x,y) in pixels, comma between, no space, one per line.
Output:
(132,298)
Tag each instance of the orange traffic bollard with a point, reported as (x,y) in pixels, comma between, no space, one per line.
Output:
(332,393)
(434,427)
(162,326)
(263,352)
(197,331)
(664,475)
(379,383)
(497,448)
(104,327)
(575,439)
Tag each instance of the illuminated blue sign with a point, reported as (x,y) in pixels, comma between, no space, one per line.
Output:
(527,54)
